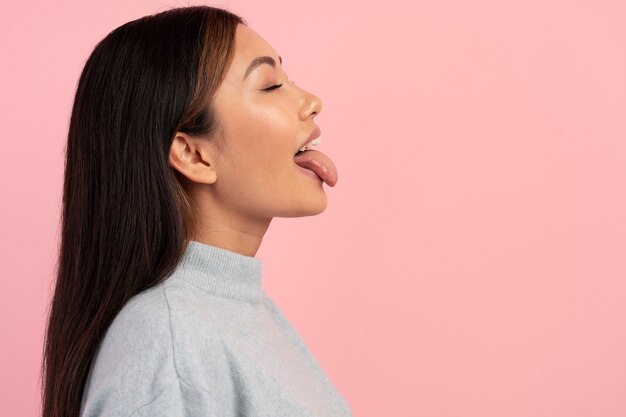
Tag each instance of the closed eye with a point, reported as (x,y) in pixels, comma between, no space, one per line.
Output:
(273,87)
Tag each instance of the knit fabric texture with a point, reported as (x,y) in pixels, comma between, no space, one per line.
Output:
(208,342)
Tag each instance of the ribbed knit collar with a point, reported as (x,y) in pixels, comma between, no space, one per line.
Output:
(222,272)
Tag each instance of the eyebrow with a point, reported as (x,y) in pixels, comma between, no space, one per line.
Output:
(261,60)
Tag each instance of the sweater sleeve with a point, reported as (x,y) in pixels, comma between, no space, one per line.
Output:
(181,400)
(151,364)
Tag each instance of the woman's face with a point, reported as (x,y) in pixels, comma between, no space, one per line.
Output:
(256,176)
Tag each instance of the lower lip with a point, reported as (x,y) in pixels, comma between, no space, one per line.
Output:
(309,172)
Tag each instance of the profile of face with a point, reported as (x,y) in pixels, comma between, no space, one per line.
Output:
(263,125)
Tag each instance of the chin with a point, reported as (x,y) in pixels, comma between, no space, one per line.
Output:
(312,207)
(320,208)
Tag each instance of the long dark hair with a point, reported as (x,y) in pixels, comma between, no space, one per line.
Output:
(126,219)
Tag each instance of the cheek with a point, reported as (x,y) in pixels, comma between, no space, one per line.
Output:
(261,157)
(271,136)
(263,133)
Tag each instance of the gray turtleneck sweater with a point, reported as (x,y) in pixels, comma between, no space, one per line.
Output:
(207,342)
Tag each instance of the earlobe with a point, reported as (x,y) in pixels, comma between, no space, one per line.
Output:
(191,160)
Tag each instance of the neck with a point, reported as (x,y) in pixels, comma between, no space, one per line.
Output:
(239,235)
(234,241)
(225,227)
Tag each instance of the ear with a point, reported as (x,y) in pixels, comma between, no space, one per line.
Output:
(193,158)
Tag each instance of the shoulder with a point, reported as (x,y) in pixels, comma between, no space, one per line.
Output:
(140,332)
(149,325)
(174,399)
(134,361)
(198,321)
(162,343)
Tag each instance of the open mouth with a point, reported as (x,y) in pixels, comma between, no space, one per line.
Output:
(318,164)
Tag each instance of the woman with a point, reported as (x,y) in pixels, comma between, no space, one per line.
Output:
(181,149)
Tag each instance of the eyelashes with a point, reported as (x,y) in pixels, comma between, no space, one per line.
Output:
(274,87)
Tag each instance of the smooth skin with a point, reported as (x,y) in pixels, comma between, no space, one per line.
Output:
(237,193)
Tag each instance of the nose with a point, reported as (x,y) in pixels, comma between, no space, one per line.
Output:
(310,106)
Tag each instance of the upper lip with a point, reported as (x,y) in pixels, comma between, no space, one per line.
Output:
(315,133)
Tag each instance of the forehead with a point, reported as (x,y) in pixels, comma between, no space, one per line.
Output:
(248,45)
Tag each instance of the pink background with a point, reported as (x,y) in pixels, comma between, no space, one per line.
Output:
(472,259)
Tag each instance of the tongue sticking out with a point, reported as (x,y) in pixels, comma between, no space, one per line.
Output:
(319,163)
